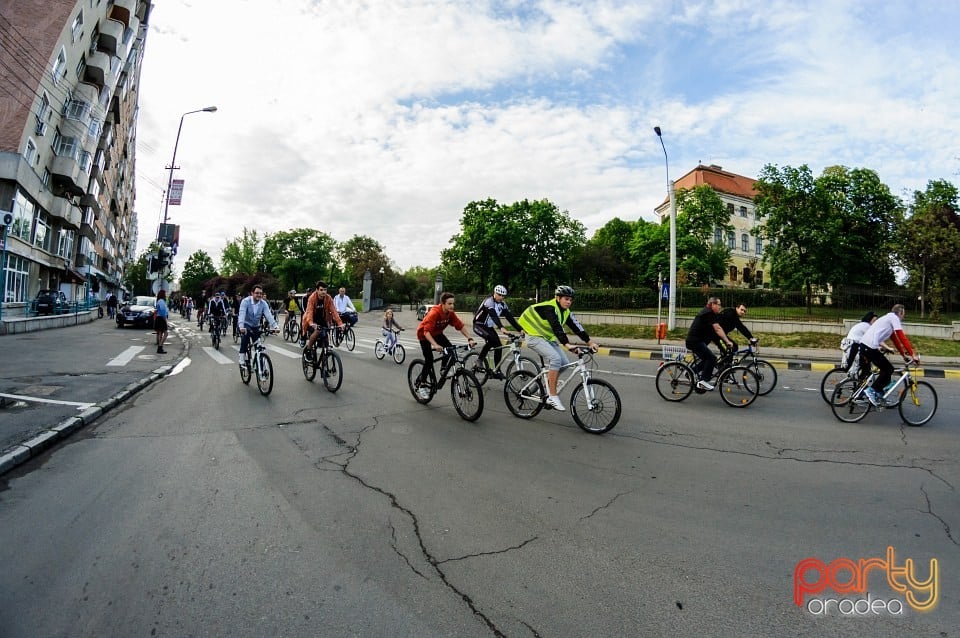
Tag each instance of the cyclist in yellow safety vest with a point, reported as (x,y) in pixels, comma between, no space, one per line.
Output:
(544,324)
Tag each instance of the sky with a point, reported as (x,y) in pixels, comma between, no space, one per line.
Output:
(385,118)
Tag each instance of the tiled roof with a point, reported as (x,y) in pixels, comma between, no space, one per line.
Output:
(722,181)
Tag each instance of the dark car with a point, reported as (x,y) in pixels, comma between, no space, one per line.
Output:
(50,302)
(137,312)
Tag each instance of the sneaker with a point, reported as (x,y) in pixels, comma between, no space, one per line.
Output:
(554,402)
(424,393)
(703,385)
(243,360)
(874,397)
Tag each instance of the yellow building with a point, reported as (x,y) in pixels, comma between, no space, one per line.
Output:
(737,193)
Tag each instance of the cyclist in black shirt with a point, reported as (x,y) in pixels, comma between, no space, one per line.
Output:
(731,319)
(704,330)
(486,324)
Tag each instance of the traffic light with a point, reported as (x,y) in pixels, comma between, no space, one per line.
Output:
(153,264)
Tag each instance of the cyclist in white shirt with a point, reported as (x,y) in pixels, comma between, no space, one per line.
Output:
(345,307)
(886,327)
(252,308)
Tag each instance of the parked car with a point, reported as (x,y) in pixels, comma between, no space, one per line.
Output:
(137,312)
(50,302)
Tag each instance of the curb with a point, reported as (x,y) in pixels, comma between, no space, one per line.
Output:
(47,438)
(783,364)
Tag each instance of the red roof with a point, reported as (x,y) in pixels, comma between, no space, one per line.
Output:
(722,181)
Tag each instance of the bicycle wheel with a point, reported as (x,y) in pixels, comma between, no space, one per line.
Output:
(350,339)
(399,354)
(308,363)
(413,373)
(739,386)
(523,363)
(766,375)
(331,371)
(596,406)
(215,338)
(479,368)
(467,395)
(830,381)
(849,401)
(524,394)
(675,381)
(336,338)
(379,350)
(919,403)
(264,372)
(245,372)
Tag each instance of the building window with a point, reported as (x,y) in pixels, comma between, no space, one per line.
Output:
(81,67)
(65,146)
(733,273)
(59,68)
(42,232)
(76,110)
(758,277)
(730,210)
(16,271)
(30,152)
(718,235)
(744,242)
(65,241)
(743,211)
(23,210)
(731,240)
(759,246)
(76,29)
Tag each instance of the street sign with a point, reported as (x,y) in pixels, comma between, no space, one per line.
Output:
(160,284)
(665,294)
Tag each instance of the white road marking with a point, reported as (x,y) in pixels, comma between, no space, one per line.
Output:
(126,356)
(218,356)
(20,397)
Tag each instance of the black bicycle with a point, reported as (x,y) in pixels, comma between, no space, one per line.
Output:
(465,390)
(344,335)
(323,358)
(679,376)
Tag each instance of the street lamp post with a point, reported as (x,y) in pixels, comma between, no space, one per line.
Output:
(672,282)
(172,167)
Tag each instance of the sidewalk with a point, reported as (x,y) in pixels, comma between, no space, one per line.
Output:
(788,358)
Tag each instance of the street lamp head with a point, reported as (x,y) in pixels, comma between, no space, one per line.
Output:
(656,129)
(210,109)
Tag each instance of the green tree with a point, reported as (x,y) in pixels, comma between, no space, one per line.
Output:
(299,257)
(360,254)
(700,211)
(196,271)
(929,242)
(606,259)
(649,248)
(135,276)
(242,255)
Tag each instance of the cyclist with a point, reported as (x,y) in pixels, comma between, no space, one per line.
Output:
(706,329)
(486,324)
(544,324)
(235,314)
(292,304)
(320,313)
(431,337)
(853,338)
(389,324)
(345,307)
(252,310)
(731,319)
(889,326)
(216,310)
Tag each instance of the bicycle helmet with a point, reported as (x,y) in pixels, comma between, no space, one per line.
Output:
(563,291)
(499,290)
(292,292)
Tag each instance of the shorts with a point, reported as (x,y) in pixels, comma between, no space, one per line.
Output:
(159,324)
(552,352)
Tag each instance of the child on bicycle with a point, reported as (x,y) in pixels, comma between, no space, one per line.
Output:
(389,324)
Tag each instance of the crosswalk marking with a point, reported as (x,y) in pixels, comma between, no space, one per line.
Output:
(217,356)
(126,356)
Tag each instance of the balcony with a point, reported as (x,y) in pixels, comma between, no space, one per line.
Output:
(106,137)
(122,10)
(98,68)
(111,35)
(68,177)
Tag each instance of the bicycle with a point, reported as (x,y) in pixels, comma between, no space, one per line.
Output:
(215,331)
(323,357)
(485,371)
(392,346)
(345,335)
(259,364)
(747,357)
(916,401)
(594,404)
(465,390)
(677,378)
(291,329)
(839,373)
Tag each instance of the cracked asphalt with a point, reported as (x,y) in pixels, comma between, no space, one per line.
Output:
(200,508)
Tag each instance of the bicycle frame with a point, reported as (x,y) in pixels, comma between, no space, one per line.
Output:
(577,367)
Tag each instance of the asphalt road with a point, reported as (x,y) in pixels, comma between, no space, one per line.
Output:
(200,508)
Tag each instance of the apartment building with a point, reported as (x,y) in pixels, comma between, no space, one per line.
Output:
(745,267)
(70,72)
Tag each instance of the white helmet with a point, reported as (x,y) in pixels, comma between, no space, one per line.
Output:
(499,290)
